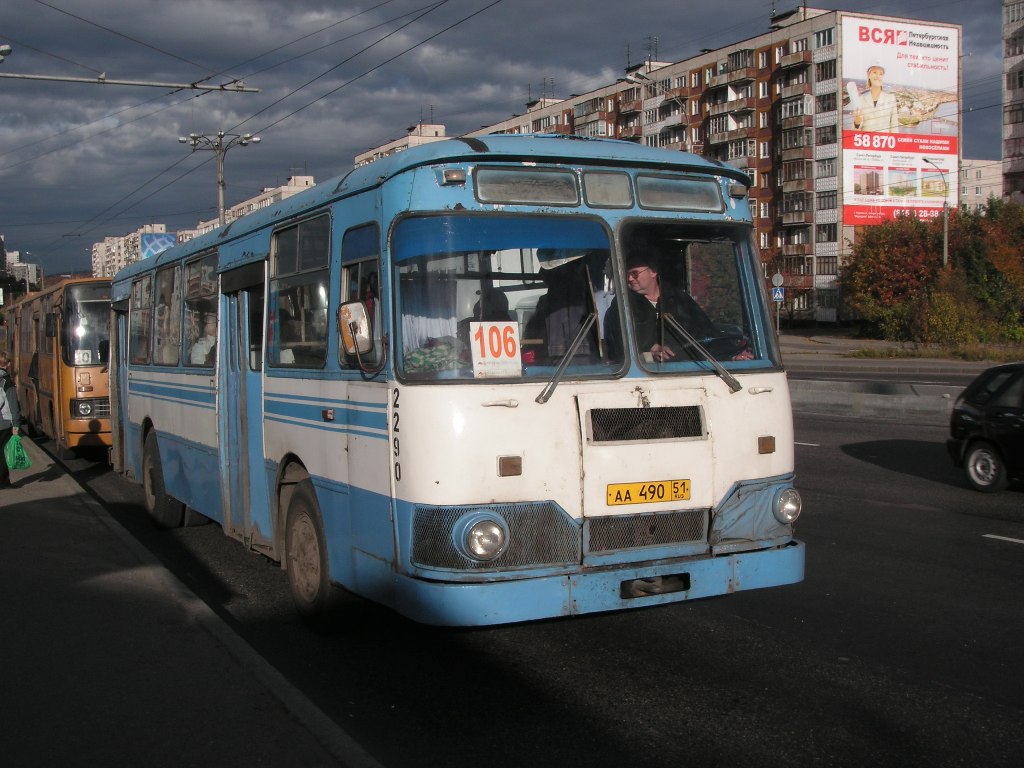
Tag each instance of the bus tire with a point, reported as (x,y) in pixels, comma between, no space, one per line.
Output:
(306,549)
(165,511)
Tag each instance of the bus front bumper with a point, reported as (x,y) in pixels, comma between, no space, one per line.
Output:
(594,591)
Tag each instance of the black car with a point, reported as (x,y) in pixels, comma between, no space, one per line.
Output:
(987,428)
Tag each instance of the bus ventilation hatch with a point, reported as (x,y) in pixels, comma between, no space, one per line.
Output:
(616,425)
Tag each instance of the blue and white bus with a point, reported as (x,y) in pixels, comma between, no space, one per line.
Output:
(481,381)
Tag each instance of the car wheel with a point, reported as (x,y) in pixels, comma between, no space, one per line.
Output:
(984,468)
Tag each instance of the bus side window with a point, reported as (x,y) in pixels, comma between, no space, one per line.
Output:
(201,311)
(140,325)
(167,327)
(297,332)
(360,281)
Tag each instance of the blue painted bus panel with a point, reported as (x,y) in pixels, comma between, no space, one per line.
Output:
(593,591)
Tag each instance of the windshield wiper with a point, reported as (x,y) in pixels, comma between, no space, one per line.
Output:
(581,334)
(729,379)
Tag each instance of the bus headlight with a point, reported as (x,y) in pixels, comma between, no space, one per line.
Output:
(480,536)
(82,408)
(786,505)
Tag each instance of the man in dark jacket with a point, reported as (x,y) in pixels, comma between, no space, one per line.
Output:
(649,300)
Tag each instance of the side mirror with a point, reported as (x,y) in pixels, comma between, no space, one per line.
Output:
(51,325)
(354,326)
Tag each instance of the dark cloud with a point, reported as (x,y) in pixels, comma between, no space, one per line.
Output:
(82,161)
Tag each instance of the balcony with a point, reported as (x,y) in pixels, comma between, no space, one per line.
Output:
(736,105)
(797,153)
(796,121)
(797,249)
(797,89)
(795,59)
(797,218)
(734,76)
(795,281)
(631,133)
(726,136)
(1013,165)
(564,130)
(797,185)
(743,162)
(631,106)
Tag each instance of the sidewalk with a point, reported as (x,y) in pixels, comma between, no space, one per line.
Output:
(109,660)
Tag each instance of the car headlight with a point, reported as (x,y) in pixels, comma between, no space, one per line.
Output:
(481,536)
(786,505)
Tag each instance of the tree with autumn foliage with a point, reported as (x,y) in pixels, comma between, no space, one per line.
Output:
(896,284)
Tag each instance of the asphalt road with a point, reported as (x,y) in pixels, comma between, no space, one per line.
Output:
(900,648)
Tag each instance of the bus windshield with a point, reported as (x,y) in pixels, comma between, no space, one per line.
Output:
(519,297)
(502,296)
(87,325)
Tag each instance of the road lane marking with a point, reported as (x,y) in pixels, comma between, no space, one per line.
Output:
(1001,538)
(812,445)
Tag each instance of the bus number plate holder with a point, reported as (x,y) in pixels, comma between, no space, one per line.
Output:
(648,492)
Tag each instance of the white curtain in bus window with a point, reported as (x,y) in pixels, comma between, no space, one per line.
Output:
(140,325)
(201,311)
(299,295)
(167,321)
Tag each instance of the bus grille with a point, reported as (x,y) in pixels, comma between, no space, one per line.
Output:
(539,535)
(101,407)
(609,425)
(607,534)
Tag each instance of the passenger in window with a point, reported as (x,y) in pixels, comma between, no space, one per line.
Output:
(560,314)
(649,301)
(205,346)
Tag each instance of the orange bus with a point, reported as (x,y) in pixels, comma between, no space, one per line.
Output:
(59,341)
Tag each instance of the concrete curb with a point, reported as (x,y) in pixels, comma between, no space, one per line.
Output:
(921,404)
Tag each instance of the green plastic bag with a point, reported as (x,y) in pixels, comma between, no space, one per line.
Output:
(15,455)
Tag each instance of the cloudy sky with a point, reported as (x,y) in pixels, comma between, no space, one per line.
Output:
(81,161)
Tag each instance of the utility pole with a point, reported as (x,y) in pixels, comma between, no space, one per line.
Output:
(234,86)
(220,147)
(945,210)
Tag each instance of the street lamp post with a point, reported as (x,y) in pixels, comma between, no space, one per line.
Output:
(220,147)
(945,210)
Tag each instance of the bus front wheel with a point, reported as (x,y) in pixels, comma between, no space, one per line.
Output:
(164,510)
(306,547)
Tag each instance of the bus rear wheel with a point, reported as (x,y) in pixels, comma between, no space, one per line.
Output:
(165,511)
(306,548)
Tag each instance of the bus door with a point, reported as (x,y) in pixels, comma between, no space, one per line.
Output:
(244,485)
(117,361)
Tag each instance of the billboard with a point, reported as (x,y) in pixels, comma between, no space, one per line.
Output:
(152,243)
(901,121)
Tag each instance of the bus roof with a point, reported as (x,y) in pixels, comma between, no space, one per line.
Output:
(556,148)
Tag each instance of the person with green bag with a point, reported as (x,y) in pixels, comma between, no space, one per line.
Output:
(10,414)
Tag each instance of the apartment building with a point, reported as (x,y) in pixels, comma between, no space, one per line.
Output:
(980,180)
(421,133)
(826,153)
(1013,99)
(116,252)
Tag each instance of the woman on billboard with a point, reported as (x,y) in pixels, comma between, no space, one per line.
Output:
(875,109)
